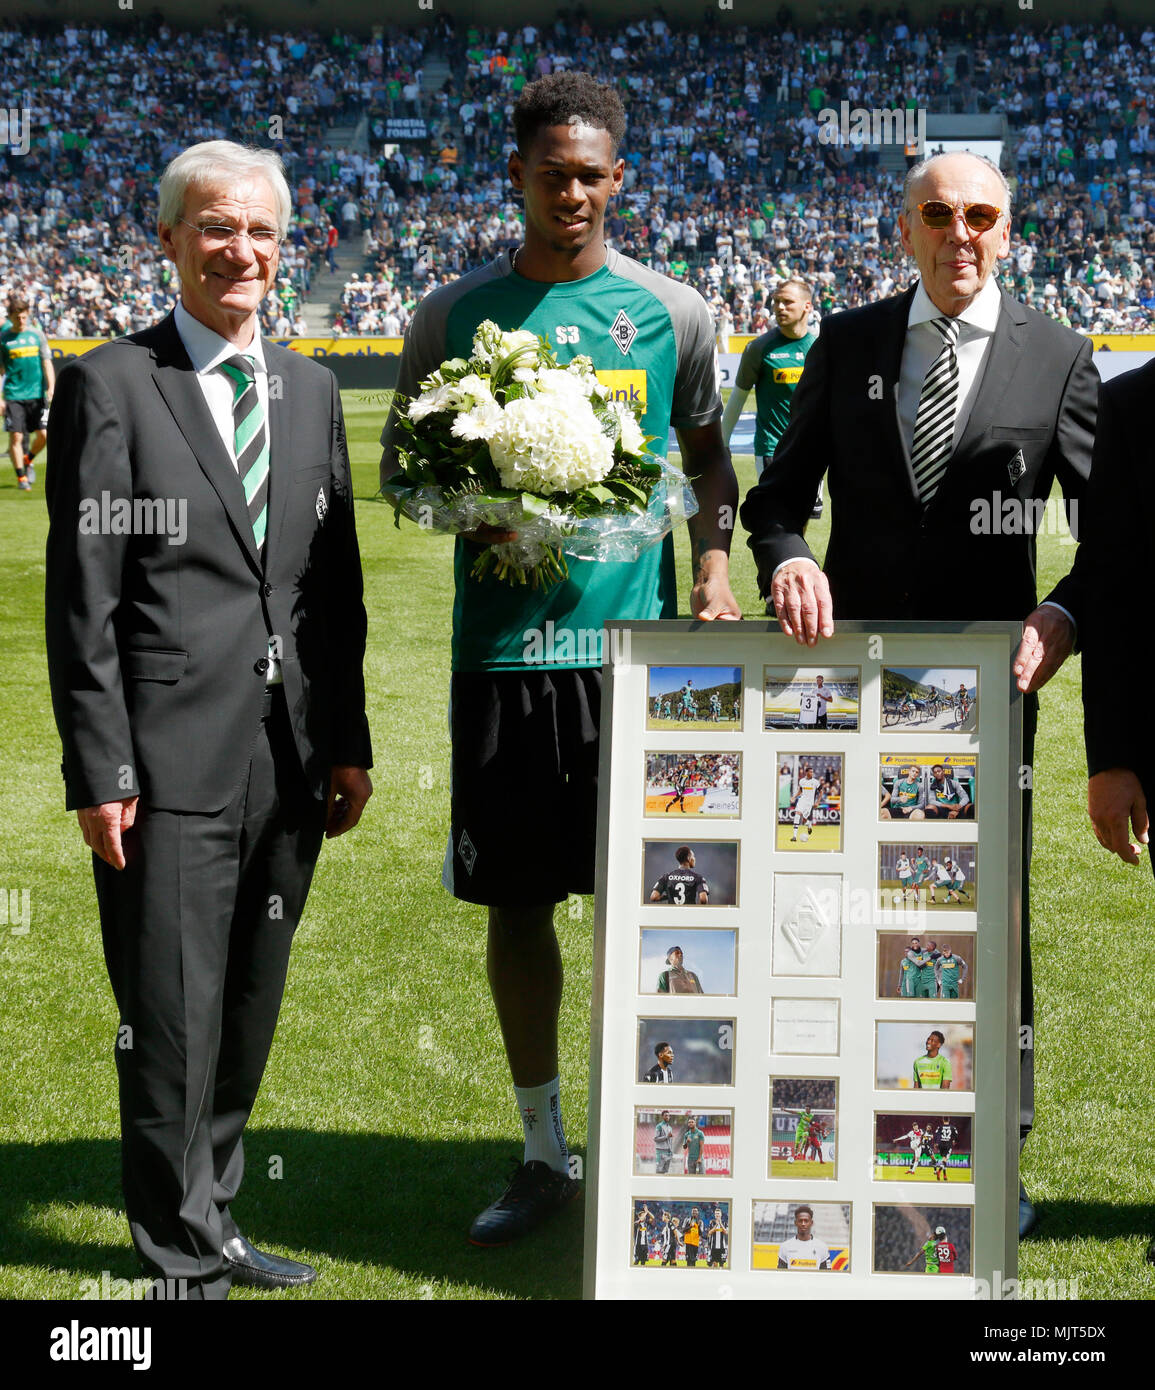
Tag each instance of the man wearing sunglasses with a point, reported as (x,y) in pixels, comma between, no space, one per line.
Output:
(926,413)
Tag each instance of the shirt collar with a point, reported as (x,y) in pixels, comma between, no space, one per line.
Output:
(207,349)
(981,313)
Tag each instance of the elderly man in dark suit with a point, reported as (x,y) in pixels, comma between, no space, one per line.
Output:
(928,413)
(205,641)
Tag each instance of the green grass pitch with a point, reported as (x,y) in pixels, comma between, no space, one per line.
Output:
(808,1168)
(386,1118)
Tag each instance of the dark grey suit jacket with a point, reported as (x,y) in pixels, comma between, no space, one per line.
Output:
(887,557)
(157,651)
(1110,581)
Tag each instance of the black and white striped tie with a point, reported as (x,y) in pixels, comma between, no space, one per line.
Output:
(937,411)
(250,440)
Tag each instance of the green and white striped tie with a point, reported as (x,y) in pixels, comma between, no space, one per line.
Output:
(250,441)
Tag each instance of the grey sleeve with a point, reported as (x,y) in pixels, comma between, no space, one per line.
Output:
(45,350)
(748,367)
(697,400)
(423,352)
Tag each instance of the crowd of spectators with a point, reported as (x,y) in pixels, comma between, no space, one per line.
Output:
(729,185)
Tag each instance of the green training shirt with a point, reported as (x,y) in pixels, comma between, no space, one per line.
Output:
(772,364)
(652,341)
(21,362)
(931,1072)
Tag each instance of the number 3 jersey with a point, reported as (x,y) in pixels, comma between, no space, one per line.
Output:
(651,340)
(681,886)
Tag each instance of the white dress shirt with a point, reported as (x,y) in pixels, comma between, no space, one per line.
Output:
(923,344)
(207,350)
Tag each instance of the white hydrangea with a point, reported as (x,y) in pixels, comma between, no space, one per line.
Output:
(544,445)
(633,440)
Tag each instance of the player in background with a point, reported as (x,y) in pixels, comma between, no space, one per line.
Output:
(918,1138)
(906,797)
(908,970)
(663,1143)
(803,1250)
(946,798)
(927,1252)
(643,1224)
(940,878)
(715,708)
(803,804)
(952,974)
(663,1068)
(945,1253)
(932,1072)
(680,781)
(803,1119)
(737,710)
(27,381)
(689,707)
(670,1240)
(958,880)
(922,871)
(946,1136)
(926,980)
(772,365)
(682,886)
(717,1240)
(903,869)
(692,1237)
(693,1147)
(815,1134)
(676,980)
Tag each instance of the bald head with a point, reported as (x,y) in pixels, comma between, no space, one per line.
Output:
(955,261)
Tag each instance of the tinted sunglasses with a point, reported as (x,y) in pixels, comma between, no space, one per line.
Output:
(980,217)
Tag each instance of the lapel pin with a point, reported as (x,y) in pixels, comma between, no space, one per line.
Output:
(322,505)
(1017,467)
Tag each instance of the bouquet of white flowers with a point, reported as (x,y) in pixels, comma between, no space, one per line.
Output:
(511,440)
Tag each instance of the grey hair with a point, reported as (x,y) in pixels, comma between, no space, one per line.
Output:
(916,172)
(216,162)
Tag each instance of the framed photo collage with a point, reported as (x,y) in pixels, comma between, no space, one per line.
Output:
(805,1026)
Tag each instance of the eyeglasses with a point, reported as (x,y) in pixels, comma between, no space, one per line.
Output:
(216,238)
(980,217)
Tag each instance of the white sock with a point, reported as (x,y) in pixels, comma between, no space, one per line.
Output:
(540,1108)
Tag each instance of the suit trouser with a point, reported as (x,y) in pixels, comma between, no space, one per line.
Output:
(197,930)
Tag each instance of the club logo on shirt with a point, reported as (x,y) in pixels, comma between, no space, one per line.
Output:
(468,851)
(1017,467)
(623,332)
(322,505)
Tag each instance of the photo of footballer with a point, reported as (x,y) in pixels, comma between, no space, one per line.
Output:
(803,1127)
(682,1234)
(923,1148)
(917,878)
(929,698)
(675,1143)
(925,787)
(922,1057)
(701,960)
(932,965)
(693,784)
(923,1240)
(691,698)
(809,815)
(810,697)
(801,1236)
(686,1051)
(702,874)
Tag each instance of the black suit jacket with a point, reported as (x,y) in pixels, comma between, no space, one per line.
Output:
(887,558)
(157,651)
(1111,578)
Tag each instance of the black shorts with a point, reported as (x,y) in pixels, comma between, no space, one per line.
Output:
(25,417)
(524,794)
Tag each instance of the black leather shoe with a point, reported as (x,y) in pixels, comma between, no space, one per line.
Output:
(260,1270)
(1151,1253)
